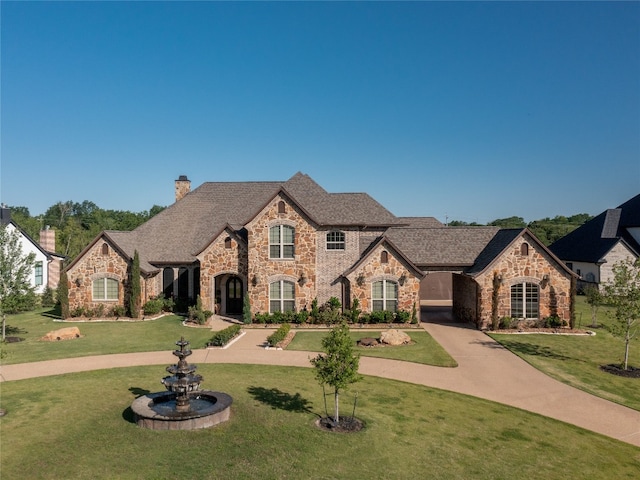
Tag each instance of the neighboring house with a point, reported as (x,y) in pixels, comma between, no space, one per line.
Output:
(47,265)
(284,244)
(595,247)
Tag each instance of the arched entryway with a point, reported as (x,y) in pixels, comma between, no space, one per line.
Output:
(234,296)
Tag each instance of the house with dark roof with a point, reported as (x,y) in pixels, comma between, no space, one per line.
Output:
(285,244)
(595,247)
(47,263)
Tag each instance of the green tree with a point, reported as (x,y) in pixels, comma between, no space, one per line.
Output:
(16,292)
(134,286)
(246,309)
(338,365)
(594,299)
(623,293)
(63,294)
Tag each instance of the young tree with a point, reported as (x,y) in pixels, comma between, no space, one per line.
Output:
(16,292)
(63,294)
(623,293)
(594,299)
(338,366)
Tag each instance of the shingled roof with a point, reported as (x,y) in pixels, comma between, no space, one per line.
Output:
(594,239)
(442,247)
(181,231)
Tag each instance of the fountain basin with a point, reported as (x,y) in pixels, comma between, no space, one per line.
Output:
(157,411)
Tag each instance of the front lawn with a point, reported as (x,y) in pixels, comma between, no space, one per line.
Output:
(79,426)
(576,360)
(424,348)
(98,338)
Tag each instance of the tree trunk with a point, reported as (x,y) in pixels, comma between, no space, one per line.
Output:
(337,417)
(627,339)
(4,326)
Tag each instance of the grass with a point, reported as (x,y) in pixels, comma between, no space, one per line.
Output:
(423,350)
(98,338)
(79,426)
(576,360)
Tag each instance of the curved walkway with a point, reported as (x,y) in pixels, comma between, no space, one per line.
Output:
(485,369)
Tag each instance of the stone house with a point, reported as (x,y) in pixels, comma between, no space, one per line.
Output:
(595,247)
(284,244)
(47,263)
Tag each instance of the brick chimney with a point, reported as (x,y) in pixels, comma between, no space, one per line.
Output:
(183,186)
(48,239)
(5,215)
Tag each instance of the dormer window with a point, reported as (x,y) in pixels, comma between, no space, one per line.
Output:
(335,241)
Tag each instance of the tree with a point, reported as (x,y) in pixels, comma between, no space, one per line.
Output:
(16,292)
(63,294)
(594,299)
(623,293)
(338,366)
(134,293)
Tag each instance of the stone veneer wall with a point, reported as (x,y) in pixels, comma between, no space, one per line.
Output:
(95,264)
(218,260)
(267,270)
(555,296)
(373,270)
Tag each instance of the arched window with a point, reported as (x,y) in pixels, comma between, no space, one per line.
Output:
(105,289)
(282,296)
(281,241)
(524,249)
(384,257)
(105,249)
(282,207)
(335,241)
(525,300)
(227,242)
(384,295)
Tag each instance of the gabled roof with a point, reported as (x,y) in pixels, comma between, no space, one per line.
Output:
(37,245)
(592,241)
(180,232)
(442,247)
(389,245)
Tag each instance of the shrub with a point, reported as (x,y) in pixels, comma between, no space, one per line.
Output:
(47,300)
(301,317)
(261,318)
(554,322)
(153,306)
(279,335)
(223,337)
(505,323)
(118,311)
(77,312)
(197,314)
(246,310)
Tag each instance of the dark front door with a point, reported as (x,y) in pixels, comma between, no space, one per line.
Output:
(234,296)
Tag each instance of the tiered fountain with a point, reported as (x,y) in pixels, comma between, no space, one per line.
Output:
(183,406)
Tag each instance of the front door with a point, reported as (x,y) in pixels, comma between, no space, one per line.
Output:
(234,296)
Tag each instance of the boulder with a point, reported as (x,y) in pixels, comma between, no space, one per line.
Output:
(367,342)
(394,337)
(62,334)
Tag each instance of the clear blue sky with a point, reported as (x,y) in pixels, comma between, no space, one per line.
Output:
(471,111)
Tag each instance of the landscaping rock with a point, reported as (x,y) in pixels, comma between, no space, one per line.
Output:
(62,334)
(394,337)
(367,342)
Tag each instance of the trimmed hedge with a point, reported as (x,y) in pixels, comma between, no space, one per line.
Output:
(279,335)
(223,337)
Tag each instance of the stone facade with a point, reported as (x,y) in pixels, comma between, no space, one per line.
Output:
(523,262)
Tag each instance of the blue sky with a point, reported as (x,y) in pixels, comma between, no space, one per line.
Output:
(462,110)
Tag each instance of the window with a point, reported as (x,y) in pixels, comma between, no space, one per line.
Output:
(39,274)
(384,296)
(335,241)
(282,297)
(384,257)
(281,241)
(524,300)
(105,289)
(282,207)
(105,249)
(227,242)
(524,249)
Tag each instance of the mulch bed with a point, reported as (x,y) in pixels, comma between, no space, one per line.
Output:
(345,425)
(630,372)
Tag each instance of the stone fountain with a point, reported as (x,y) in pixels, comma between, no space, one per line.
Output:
(183,406)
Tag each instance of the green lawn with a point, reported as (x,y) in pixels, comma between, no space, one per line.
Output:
(424,348)
(79,426)
(576,360)
(98,338)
